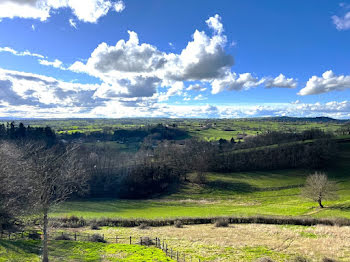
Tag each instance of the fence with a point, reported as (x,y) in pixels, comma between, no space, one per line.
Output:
(131,240)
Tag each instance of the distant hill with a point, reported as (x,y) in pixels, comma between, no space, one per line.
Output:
(320,119)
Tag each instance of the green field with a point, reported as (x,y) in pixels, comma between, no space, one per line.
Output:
(29,251)
(239,194)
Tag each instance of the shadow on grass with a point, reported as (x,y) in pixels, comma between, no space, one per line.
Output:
(341,207)
(22,246)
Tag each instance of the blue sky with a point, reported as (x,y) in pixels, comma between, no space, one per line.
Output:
(112,58)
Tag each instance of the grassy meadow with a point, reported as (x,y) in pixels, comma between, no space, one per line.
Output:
(239,194)
(29,251)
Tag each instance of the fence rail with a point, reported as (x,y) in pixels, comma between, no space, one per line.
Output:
(131,240)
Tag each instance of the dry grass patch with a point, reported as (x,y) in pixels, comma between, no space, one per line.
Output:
(248,242)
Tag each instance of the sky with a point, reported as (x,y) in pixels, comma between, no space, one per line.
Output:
(174,58)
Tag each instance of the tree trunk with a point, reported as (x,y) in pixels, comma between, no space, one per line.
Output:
(45,248)
(320,203)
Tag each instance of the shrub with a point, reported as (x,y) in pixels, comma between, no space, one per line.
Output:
(178,224)
(143,226)
(326,259)
(94,225)
(221,222)
(63,237)
(264,259)
(199,178)
(97,238)
(34,235)
(299,259)
(146,241)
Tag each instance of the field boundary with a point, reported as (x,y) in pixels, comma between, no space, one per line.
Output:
(85,237)
(275,220)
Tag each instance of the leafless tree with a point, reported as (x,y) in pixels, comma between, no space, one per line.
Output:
(12,194)
(319,188)
(49,176)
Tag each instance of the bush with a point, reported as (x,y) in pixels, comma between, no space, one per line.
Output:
(63,237)
(94,225)
(326,259)
(178,224)
(264,259)
(221,222)
(97,238)
(34,235)
(143,226)
(146,241)
(199,178)
(299,259)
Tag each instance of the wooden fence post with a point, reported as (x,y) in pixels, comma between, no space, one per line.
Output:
(9,236)
(177,256)
(116,239)
(130,240)
(75,236)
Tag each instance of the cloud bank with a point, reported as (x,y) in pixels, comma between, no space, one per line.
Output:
(87,11)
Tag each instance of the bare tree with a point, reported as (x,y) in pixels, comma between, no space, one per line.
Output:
(50,175)
(12,195)
(319,188)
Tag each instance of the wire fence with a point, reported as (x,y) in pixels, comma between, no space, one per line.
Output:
(131,240)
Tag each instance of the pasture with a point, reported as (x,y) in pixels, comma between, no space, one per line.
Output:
(239,194)
(30,250)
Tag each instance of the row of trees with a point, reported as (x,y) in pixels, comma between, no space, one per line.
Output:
(12,132)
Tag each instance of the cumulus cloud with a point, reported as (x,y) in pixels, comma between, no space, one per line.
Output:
(232,81)
(90,11)
(326,83)
(204,59)
(31,95)
(119,6)
(26,89)
(56,63)
(342,23)
(200,97)
(280,81)
(17,53)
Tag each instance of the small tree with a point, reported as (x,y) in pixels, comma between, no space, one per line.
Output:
(319,188)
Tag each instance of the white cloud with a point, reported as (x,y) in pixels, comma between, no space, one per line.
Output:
(204,59)
(17,53)
(327,83)
(72,23)
(38,91)
(342,23)
(57,63)
(119,6)
(232,81)
(200,97)
(280,81)
(215,23)
(89,11)
(31,95)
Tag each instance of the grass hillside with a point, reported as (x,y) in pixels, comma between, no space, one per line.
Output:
(29,251)
(240,193)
